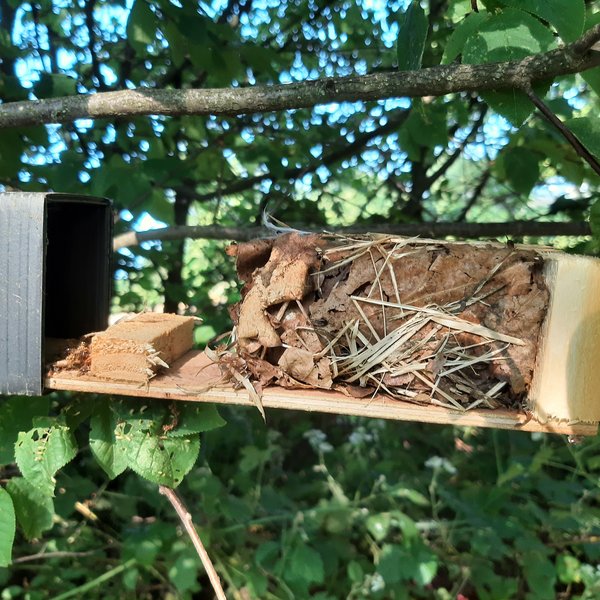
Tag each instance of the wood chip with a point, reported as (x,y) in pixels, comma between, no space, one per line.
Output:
(136,349)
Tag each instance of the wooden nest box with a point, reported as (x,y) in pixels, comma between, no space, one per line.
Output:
(55,278)
(476,334)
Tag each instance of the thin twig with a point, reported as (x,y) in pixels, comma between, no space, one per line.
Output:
(186,520)
(460,146)
(563,129)
(429,229)
(48,555)
(94,583)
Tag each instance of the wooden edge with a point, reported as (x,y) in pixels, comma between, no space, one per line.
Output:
(190,380)
(566,382)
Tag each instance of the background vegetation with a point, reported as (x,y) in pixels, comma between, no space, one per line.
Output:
(307,506)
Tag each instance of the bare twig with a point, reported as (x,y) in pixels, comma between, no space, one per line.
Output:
(186,520)
(563,129)
(48,555)
(475,195)
(345,151)
(434,81)
(453,157)
(434,230)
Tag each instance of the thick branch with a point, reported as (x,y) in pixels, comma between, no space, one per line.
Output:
(435,81)
(434,230)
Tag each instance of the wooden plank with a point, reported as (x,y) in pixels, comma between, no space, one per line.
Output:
(195,378)
(132,350)
(566,382)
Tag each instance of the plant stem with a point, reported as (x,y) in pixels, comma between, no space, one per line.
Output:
(96,582)
(186,520)
(47,555)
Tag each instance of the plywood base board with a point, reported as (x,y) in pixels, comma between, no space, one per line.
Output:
(194,378)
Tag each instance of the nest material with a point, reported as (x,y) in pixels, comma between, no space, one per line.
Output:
(444,323)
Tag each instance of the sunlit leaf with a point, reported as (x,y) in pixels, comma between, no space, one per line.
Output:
(567,16)
(33,508)
(410,44)
(456,42)
(7,527)
(16,414)
(42,451)
(108,450)
(510,35)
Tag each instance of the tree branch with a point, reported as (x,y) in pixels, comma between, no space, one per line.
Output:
(346,151)
(550,116)
(475,194)
(452,158)
(186,520)
(434,230)
(435,81)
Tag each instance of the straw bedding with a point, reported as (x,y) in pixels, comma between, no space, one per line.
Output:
(449,324)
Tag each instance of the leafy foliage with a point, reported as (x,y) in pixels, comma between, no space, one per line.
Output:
(308,506)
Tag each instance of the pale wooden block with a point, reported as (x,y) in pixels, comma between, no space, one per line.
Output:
(566,382)
(135,349)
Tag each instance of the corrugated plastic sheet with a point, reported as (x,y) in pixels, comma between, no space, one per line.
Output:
(22,239)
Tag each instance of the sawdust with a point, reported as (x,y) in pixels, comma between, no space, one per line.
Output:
(68,355)
(451,324)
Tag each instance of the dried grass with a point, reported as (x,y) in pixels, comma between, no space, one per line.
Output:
(399,352)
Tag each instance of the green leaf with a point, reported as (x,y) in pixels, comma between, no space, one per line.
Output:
(412,37)
(403,563)
(195,417)
(7,527)
(425,127)
(566,16)
(540,575)
(34,509)
(456,42)
(406,524)
(305,564)
(16,414)
(379,525)
(160,440)
(514,470)
(355,572)
(411,495)
(509,35)
(53,85)
(521,169)
(587,130)
(141,26)
(184,573)
(163,460)
(392,557)
(42,451)
(108,450)
(592,76)
(568,569)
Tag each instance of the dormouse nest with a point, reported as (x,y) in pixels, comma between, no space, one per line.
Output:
(450,324)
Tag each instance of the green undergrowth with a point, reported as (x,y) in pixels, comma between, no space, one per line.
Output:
(308,506)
